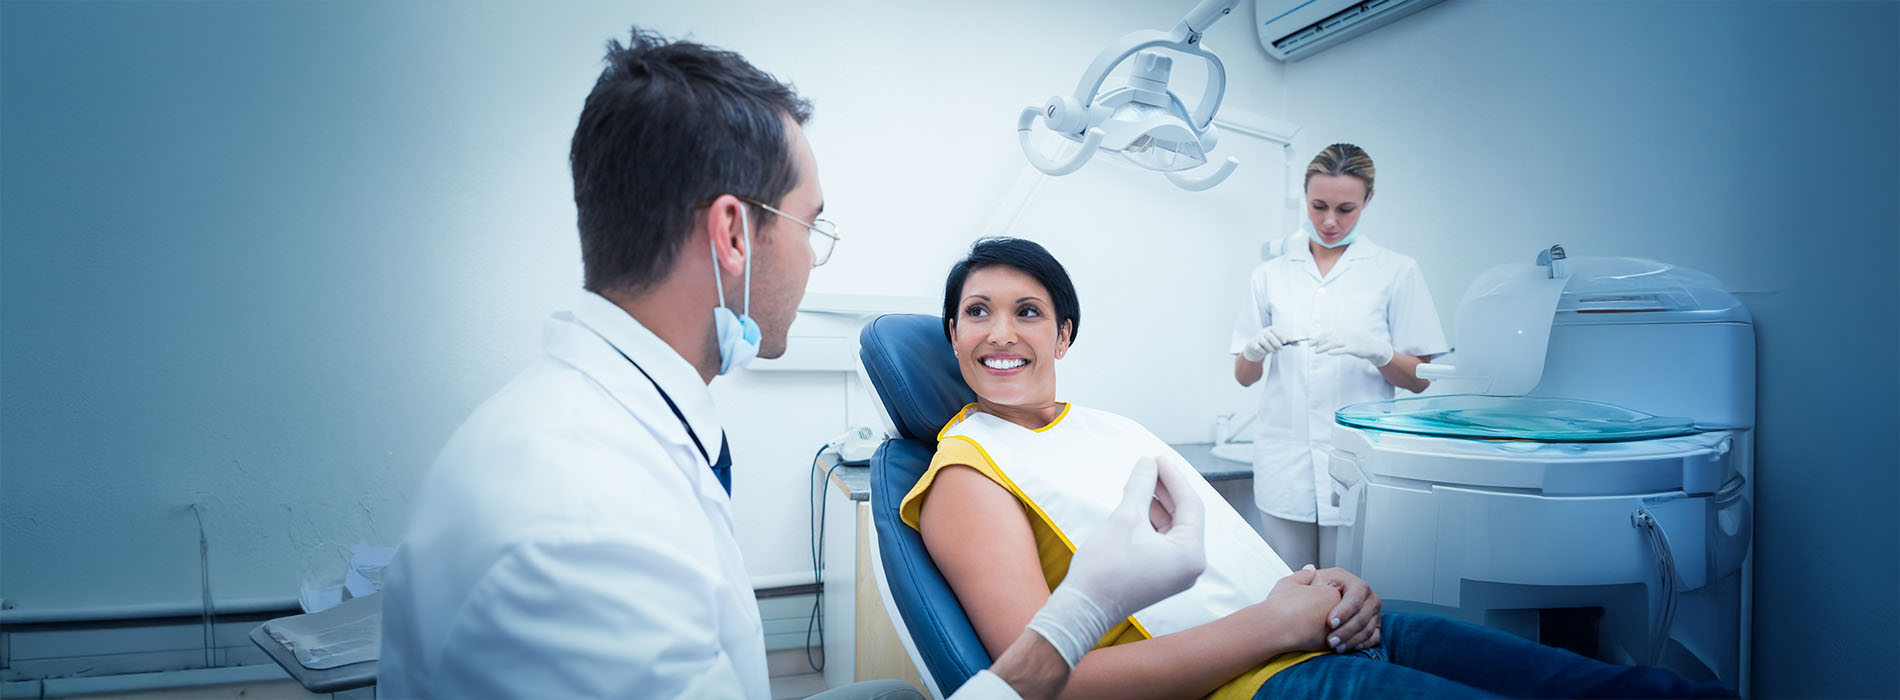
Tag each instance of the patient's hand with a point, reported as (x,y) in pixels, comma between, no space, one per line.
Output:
(1296,611)
(1355,621)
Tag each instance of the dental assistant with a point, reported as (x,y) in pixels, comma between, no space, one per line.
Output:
(1337,320)
(575,536)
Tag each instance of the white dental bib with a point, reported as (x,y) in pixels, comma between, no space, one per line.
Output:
(1071,474)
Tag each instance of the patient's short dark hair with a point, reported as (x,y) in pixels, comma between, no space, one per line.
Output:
(671,125)
(1025,255)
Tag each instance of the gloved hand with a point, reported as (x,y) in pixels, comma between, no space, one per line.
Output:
(1128,563)
(1268,341)
(1356,344)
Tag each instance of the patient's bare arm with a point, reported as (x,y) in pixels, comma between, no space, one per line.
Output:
(980,538)
(1032,667)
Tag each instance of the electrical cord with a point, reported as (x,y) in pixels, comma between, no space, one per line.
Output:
(1666,571)
(210,615)
(819,505)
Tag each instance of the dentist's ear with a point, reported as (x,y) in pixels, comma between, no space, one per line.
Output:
(725,223)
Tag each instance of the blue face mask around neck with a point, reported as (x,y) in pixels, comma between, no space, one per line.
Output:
(738,334)
(1313,233)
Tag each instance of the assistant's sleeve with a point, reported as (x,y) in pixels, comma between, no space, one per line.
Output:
(1413,317)
(591,617)
(1254,315)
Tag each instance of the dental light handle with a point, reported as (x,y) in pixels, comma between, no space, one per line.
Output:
(1196,184)
(1091,140)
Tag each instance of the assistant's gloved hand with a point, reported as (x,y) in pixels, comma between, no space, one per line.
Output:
(1354,343)
(1268,341)
(1130,562)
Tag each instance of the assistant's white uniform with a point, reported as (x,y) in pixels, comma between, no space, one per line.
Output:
(571,541)
(1369,290)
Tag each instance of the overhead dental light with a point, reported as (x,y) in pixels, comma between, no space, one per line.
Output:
(1141,121)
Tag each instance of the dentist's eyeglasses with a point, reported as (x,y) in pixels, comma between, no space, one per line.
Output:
(824,234)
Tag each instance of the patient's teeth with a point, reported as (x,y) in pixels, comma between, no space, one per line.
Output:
(1004,364)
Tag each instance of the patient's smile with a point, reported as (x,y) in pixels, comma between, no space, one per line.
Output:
(1004,364)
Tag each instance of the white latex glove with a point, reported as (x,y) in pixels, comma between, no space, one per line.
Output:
(1356,344)
(1268,341)
(1129,563)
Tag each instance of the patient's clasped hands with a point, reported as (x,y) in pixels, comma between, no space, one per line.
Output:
(1354,623)
(1325,609)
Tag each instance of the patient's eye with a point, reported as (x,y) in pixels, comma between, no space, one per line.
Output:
(1346,208)
(975,310)
(1029,310)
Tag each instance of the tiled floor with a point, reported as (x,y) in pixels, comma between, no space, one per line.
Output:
(792,676)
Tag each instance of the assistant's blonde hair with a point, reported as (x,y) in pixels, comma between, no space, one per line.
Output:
(1342,159)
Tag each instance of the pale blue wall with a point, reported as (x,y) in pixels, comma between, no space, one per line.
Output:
(1757,141)
(252,256)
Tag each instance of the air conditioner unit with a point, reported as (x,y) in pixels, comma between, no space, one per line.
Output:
(1294,29)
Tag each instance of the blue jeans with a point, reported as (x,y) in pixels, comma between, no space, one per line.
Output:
(1422,656)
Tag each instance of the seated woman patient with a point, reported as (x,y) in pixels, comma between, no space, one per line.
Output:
(1019,478)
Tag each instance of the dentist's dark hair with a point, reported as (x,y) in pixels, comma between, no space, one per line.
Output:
(668,127)
(1024,255)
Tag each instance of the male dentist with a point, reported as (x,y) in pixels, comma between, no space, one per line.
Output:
(574,538)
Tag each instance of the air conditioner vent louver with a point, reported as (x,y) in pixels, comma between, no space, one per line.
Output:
(1294,29)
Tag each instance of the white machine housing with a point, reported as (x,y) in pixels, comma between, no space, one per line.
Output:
(1495,531)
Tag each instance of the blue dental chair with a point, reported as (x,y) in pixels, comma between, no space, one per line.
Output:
(910,365)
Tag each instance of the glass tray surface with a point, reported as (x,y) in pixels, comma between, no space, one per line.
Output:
(1538,419)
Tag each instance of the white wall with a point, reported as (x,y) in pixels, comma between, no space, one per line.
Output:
(263,257)
(1756,141)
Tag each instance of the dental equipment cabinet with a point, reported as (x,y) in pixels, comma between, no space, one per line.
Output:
(1581,467)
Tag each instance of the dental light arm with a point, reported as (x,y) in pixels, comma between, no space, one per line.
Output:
(1201,17)
(1156,117)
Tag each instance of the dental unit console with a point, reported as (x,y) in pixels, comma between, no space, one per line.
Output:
(1580,470)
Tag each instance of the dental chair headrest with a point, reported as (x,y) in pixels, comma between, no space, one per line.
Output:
(912,367)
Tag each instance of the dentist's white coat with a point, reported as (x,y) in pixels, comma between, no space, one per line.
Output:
(571,541)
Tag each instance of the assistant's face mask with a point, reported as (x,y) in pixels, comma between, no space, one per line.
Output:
(1313,233)
(738,334)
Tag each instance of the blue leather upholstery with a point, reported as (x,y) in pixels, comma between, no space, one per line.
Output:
(911,366)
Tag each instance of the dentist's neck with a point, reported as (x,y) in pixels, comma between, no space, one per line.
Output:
(679,311)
